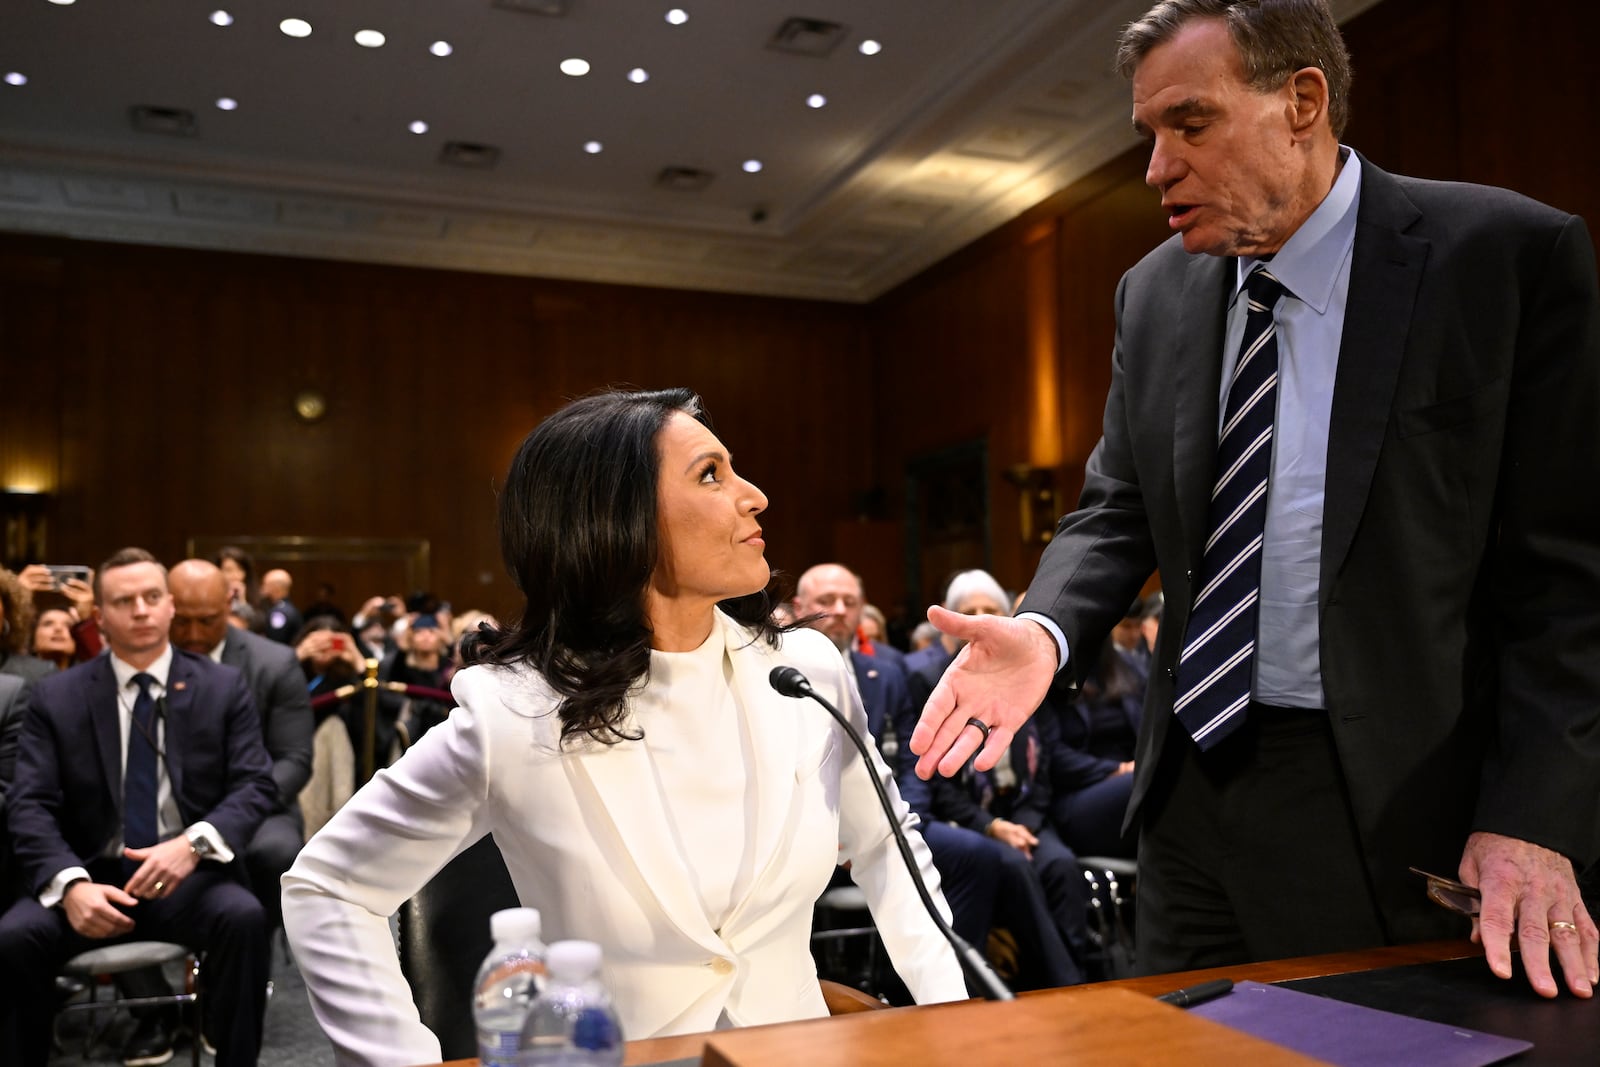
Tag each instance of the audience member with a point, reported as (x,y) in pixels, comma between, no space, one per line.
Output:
(281,620)
(420,660)
(1091,765)
(972,592)
(52,638)
(239,568)
(200,625)
(331,662)
(16,631)
(142,850)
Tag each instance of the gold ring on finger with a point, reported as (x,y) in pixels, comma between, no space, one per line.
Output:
(159,886)
(1562,924)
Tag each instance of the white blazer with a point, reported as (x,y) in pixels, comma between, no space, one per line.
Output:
(589,846)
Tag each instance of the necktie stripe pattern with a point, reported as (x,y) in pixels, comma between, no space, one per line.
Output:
(1217,665)
(139,829)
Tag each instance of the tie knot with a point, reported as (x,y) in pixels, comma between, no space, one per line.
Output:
(1263,288)
(144,682)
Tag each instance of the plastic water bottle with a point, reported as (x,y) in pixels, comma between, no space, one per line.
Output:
(573,1023)
(509,980)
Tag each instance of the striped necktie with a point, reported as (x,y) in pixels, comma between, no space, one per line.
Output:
(1218,662)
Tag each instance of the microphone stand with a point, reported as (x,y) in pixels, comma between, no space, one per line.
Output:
(792,683)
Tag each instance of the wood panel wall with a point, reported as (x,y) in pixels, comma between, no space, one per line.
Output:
(153,387)
(170,376)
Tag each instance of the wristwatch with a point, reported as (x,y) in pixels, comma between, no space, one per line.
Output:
(199,844)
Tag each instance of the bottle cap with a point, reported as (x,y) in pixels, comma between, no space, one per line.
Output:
(515,924)
(573,961)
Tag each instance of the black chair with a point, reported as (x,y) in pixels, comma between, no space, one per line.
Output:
(444,936)
(1112,884)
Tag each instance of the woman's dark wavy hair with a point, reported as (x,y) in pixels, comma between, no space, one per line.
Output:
(579,534)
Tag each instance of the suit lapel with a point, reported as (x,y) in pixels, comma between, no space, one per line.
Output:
(106,723)
(870,682)
(1385,272)
(1197,383)
(182,680)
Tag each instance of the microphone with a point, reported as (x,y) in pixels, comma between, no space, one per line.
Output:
(790,682)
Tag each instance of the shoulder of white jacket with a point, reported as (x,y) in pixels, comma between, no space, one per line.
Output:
(521,689)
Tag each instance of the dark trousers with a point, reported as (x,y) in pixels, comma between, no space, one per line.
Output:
(210,912)
(1090,819)
(1034,903)
(968,864)
(271,852)
(988,884)
(1249,851)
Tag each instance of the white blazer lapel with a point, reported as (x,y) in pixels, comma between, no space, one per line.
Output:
(621,780)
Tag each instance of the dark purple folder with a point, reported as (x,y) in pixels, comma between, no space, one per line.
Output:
(1351,1035)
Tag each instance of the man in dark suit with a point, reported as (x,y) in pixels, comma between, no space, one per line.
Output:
(1401,666)
(138,777)
(200,625)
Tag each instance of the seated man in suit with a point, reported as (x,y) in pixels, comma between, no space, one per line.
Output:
(200,625)
(138,777)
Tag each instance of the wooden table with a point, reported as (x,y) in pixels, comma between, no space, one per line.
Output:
(687,1046)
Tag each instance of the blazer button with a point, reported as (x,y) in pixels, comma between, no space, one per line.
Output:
(722,966)
(1188,576)
(1172,672)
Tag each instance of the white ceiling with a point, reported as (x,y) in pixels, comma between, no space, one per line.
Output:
(973,111)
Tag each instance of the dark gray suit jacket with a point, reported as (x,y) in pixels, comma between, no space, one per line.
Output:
(1460,572)
(279,689)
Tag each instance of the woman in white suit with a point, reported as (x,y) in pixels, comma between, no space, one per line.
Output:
(647,788)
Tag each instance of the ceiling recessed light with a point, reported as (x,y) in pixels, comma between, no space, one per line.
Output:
(440,48)
(593,147)
(752,166)
(295,27)
(370,38)
(16,78)
(816,100)
(227,103)
(575,67)
(63,3)
(677,16)
(870,47)
(220,17)
(418,127)
(638,75)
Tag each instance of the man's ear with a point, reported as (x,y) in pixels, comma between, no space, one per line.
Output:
(1309,101)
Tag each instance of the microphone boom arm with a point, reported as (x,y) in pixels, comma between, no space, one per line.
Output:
(792,683)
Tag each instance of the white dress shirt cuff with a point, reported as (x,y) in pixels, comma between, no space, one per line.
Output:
(1054,631)
(219,848)
(57,889)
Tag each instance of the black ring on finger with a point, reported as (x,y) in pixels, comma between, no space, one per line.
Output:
(983,728)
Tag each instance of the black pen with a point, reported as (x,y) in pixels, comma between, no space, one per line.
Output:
(1198,994)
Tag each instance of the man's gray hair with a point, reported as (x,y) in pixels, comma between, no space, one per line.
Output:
(967,583)
(1275,38)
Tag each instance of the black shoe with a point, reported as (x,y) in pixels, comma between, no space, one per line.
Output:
(150,1044)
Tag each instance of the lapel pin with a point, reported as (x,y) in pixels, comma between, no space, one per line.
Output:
(872,673)
(178,687)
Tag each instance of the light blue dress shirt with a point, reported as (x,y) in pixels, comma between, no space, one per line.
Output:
(1314,266)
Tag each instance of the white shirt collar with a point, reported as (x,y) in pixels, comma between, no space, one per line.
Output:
(157,670)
